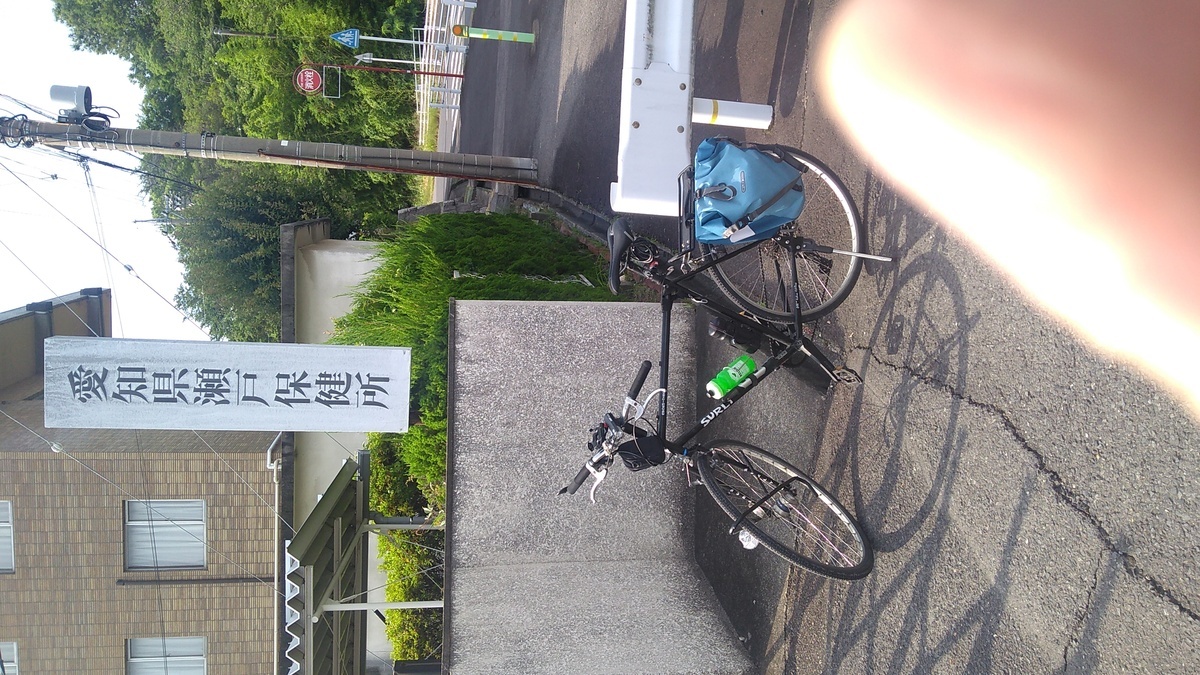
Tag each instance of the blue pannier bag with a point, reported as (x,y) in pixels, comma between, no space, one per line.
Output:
(744,192)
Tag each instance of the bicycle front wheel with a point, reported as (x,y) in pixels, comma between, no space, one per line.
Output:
(759,281)
(785,510)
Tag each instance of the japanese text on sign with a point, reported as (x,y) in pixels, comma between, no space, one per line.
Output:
(109,383)
(225,386)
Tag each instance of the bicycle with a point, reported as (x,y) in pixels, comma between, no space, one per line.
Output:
(771,502)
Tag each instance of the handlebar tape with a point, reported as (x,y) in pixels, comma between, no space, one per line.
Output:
(639,380)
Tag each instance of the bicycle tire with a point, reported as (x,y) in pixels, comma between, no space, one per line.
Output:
(826,539)
(760,282)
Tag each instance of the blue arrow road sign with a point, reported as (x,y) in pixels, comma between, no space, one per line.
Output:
(348,37)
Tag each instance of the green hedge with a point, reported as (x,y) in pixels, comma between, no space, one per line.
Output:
(495,257)
(413,563)
(405,302)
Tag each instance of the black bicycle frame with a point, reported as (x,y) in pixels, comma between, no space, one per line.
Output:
(673,289)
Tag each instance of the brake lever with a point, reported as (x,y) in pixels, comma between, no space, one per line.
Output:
(599,476)
(632,406)
(638,409)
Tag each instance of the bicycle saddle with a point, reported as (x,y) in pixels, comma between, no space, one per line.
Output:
(619,240)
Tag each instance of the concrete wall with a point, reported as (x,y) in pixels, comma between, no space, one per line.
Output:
(327,272)
(541,583)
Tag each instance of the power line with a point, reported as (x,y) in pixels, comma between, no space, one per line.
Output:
(245,482)
(81,158)
(87,178)
(52,291)
(46,172)
(411,575)
(56,154)
(29,107)
(52,176)
(350,453)
(128,268)
(162,614)
(58,449)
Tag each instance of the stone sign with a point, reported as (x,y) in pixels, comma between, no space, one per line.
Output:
(107,383)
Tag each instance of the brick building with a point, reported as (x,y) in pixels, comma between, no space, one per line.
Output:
(127,551)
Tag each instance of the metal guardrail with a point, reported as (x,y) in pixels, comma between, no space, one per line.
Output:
(439,52)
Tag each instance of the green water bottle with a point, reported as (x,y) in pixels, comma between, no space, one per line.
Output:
(730,376)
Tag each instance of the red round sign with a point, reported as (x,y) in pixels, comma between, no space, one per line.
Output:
(308,80)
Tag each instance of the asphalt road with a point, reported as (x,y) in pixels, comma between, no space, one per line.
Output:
(1033,504)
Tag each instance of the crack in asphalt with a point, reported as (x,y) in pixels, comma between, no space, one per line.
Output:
(1064,493)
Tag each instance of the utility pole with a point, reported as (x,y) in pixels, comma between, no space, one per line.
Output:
(95,135)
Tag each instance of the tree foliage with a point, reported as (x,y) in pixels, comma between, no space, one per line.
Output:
(123,29)
(466,256)
(228,242)
(470,257)
(195,80)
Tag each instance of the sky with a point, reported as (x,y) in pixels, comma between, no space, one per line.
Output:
(44,254)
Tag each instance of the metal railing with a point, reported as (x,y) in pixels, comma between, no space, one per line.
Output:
(440,52)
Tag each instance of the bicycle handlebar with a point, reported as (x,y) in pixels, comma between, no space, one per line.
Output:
(639,380)
(579,478)
(604,438)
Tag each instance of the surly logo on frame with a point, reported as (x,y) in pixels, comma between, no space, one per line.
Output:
(704,421)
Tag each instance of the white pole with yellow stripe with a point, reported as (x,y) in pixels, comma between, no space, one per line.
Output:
(731,113)
(492,34)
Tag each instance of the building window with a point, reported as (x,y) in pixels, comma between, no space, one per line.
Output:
(8,657)
(164,534)
(7,560)
(165,656)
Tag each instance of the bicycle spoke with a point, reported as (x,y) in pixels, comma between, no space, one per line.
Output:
(748,482)
(829,216)
(823,536)
(818,273)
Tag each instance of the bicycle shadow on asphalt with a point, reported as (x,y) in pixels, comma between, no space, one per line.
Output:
(819,436)
(921,464)
(894,447)
(896,497)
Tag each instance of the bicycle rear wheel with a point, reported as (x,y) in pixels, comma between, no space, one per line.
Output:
(760,281)
(785,510)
